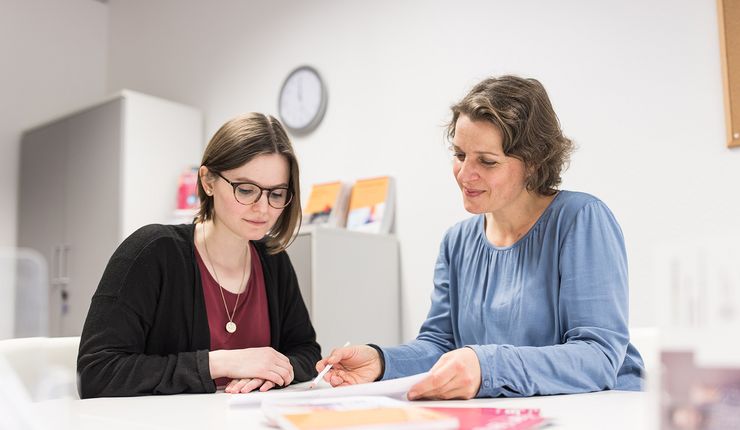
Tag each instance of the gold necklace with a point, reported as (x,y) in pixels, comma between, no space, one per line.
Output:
(231,325)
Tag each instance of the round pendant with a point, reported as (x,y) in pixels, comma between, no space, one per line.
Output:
(231,326)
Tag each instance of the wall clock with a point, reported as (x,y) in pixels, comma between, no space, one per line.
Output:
(302,100)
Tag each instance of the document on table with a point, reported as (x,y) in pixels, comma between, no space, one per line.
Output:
(395,388)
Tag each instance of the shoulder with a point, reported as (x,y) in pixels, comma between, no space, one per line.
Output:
(154,237)
(573,201)
(143,256)
(271,262)
(576,211)
(463,233)
(568,205)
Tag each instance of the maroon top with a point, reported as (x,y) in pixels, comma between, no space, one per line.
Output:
(251,318)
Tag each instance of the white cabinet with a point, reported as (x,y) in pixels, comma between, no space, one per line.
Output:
(89,179)
(350,283)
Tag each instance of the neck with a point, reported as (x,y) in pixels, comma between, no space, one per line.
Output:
(508,225)
(224,247)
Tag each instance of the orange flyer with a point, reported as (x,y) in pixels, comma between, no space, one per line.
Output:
(408,417)
(323,197)
(369,192)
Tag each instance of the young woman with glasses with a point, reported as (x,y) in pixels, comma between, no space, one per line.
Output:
(530,294)
(189,308)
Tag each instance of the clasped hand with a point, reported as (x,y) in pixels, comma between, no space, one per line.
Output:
(251,368)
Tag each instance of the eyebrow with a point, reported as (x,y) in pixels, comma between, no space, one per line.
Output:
(241,180)
(457,148)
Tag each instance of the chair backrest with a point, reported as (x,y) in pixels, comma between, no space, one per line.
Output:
(647,342)
(46,366)
(24,293)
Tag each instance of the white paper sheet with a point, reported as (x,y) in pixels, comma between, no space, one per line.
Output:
(395,388)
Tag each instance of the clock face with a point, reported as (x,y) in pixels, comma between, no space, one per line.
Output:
(302,100)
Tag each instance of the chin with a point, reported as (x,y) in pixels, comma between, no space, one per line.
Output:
(472,207)
(251,233)
(255,235)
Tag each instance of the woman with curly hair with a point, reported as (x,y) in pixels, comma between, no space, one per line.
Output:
(531,293)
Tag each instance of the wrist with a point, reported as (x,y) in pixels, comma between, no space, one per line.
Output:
(215,364)
(381,360)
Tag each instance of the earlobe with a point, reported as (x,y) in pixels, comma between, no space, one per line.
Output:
(206,180)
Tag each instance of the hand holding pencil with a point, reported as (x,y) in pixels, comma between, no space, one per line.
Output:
(349,365)
(323,372)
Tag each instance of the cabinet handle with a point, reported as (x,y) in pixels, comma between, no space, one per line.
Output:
(63,263)
(55,257)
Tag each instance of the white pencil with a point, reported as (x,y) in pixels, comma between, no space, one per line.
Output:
(323,372)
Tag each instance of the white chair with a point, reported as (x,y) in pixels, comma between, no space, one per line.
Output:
(647,342)
(24,293)
(45,366)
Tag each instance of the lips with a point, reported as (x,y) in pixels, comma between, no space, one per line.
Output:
(472,193)
(255,222)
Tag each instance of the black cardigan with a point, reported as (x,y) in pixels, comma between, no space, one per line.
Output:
(147,328)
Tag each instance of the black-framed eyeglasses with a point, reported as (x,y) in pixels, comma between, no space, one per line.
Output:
(248,193)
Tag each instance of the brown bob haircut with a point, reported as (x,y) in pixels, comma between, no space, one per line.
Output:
(237,142)
(521,110)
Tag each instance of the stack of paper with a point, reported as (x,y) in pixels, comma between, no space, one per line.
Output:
(394,388)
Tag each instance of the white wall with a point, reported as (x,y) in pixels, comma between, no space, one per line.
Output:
(53,57)
(637,84)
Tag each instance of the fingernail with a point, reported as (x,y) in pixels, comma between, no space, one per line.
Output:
(412,395)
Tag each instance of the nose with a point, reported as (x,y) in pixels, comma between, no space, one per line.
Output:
(261,205)
(466,171)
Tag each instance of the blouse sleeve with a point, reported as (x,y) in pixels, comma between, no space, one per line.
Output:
(112,359)
(592,309)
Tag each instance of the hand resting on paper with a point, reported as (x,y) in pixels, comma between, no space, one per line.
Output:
(247,385)
(251,368)
(456,375)
(351,365)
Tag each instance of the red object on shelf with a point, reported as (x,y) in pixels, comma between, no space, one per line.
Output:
(187,193)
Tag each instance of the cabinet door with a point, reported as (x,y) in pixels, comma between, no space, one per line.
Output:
(300,256)
(41,206)
(92,206)
(350,282)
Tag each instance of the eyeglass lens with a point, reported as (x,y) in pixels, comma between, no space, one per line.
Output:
(248,194)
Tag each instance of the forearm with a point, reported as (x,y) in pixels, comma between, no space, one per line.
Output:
(303,359)
(109,374)
(574,367)
(414,357)
(113,358)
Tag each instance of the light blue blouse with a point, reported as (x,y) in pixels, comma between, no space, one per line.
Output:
(546,315)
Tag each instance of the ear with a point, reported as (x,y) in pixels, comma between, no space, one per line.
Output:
(531,170)
(207,179)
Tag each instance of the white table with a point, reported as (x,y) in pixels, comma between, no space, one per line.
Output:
(604,411)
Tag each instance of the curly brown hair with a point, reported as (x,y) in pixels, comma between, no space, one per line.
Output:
(237,142)
(521,110)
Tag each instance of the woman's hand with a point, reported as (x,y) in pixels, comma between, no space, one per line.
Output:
(247,385)
(251,363)
(355,364)
(456,375)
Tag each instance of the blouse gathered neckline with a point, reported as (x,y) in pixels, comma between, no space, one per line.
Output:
(481,227)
